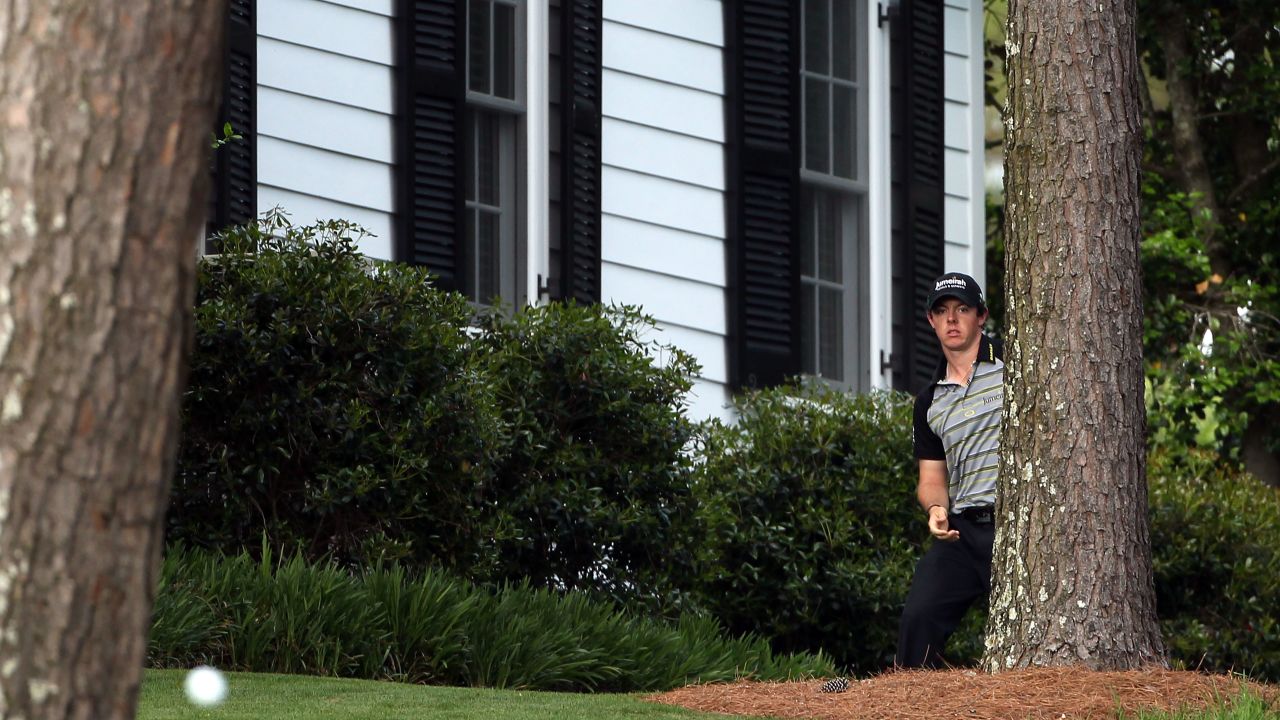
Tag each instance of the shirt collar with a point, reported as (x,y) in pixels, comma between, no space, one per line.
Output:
(987,352)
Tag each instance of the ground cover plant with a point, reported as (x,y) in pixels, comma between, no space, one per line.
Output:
(294,616)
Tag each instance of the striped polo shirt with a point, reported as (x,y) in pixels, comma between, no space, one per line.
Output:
(961,425)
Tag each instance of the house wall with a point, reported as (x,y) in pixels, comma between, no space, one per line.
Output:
(663,212)
(325,89)
(965,232)
(324,113)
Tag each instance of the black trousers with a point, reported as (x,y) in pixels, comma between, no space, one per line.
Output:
(948,579)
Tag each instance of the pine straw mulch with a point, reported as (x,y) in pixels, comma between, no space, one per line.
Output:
(1041,693)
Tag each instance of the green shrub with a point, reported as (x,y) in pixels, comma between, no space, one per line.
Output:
(269,615)
(811,530)
(426,622)
(1215,537)
(333,404)
(593,491)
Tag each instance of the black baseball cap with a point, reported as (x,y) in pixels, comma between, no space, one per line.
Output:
(959,286)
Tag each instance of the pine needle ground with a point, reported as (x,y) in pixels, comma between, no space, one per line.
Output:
(1056,693)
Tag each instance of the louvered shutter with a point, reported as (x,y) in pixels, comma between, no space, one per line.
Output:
(580,107)
(430,137)
(763,195)
(234,200)
(918,193)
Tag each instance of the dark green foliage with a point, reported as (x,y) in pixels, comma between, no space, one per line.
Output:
(386,623)
(1198,396)
(593,491)
(333,404)
(1215,537)
(811,528)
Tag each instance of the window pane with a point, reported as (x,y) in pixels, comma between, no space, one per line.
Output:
(817,129)
(830,238)
(504,51)
(830,325)
(808,330)
(479,51)
(470,163)
(808,233)
(844,39)
(845,136)
(488,151)
(488,257)
(817,29)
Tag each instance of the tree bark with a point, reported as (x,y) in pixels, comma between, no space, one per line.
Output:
(106,109)
(1072,579)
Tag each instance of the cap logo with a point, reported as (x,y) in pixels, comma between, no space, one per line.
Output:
(946,283)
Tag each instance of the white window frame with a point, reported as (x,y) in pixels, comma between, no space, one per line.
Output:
(514,184)
(855,371)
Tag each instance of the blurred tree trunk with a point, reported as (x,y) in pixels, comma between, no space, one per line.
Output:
(1072,571)
(106,109)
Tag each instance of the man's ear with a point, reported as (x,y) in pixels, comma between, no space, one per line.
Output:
(928,315)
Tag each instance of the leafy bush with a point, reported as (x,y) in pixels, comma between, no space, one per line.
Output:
(1211,343)
(593,491)
(386,623)
(1215,537)
(333,404)
(811,532)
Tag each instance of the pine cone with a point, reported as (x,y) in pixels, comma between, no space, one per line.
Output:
(838,685)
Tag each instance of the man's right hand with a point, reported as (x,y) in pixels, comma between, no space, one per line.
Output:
(940,526)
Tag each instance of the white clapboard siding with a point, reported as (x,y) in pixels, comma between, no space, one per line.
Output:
(700,67)
(666,154)
(699,20)
(381,7)
(674,108)
(668,298)
(310,121)
(337,78)
(707,347)
(662,194)
(305,209)
(324,174)
(659,200)
(335,28)
(325,98)
(664,250)
(964,155)
(710,399)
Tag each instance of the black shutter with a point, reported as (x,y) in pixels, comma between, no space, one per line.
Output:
(430,140)
(234,200)
(580,107)
(762,120)
(918,157)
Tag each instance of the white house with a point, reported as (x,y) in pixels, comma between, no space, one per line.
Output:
(776,181)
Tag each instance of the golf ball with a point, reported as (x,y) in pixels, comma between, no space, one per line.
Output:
(205,686)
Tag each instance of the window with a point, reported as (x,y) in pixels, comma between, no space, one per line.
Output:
(495,106)
(833,177)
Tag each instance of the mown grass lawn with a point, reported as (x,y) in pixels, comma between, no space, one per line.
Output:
(255,696)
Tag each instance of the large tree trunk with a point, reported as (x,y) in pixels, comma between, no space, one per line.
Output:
(1072,582)
(106,109)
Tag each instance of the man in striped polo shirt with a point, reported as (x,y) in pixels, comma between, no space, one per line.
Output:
(957,445)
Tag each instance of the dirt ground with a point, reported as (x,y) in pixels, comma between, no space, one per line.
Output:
(1057,693)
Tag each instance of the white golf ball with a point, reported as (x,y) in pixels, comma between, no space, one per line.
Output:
(205,686)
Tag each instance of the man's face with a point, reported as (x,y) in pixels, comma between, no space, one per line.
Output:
(957,325)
